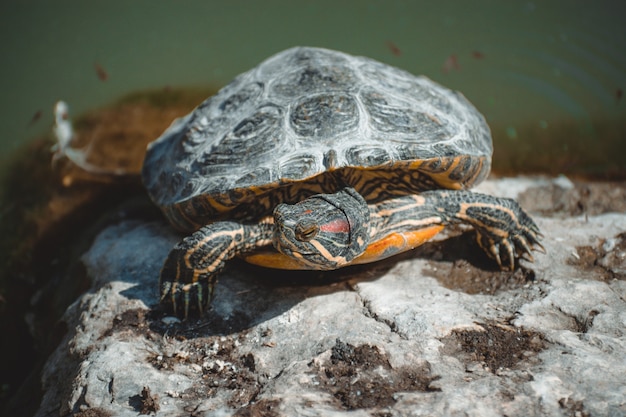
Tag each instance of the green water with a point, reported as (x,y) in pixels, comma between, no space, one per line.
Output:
(528,66)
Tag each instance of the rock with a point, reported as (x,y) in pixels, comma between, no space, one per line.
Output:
(435,332)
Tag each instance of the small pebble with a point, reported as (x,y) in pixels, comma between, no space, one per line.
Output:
(169,320)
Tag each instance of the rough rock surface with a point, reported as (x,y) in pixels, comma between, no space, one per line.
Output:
(436,332)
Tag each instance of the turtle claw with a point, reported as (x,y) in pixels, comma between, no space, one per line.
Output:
(518,243)
(525,247)
(510,253)
(495,252)
(539,247)
(186,297)
(184,289)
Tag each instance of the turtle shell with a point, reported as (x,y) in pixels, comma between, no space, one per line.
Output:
(310,120)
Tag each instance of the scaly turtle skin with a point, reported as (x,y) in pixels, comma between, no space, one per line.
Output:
(330,159)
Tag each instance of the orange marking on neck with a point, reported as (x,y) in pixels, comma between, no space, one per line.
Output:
(396,243)
(276,260)
(390,245)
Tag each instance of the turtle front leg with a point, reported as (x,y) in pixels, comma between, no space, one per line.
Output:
(503,229)
(189,273)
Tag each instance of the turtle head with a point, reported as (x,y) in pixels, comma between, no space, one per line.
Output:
(324,231)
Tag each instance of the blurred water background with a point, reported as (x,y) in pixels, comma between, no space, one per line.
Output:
(548,75)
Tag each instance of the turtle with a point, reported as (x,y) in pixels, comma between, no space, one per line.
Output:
(315,160)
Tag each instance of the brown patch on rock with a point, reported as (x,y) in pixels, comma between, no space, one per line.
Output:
(132,321)
(149,403)
(573,408)
(606,258)
(261,408)
(591,198)
(222,368)
(93,412)
(496,347)
(459,264)
(362,377)
(463,276)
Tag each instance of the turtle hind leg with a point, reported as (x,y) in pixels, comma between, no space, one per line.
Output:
(505,232)
(189,274)
(503,229)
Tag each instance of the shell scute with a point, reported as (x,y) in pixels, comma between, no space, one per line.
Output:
(325,116)
(298,166)
(246,96)
(311,79)
(260,175)
(368,156)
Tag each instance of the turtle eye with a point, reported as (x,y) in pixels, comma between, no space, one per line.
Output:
(306,231)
